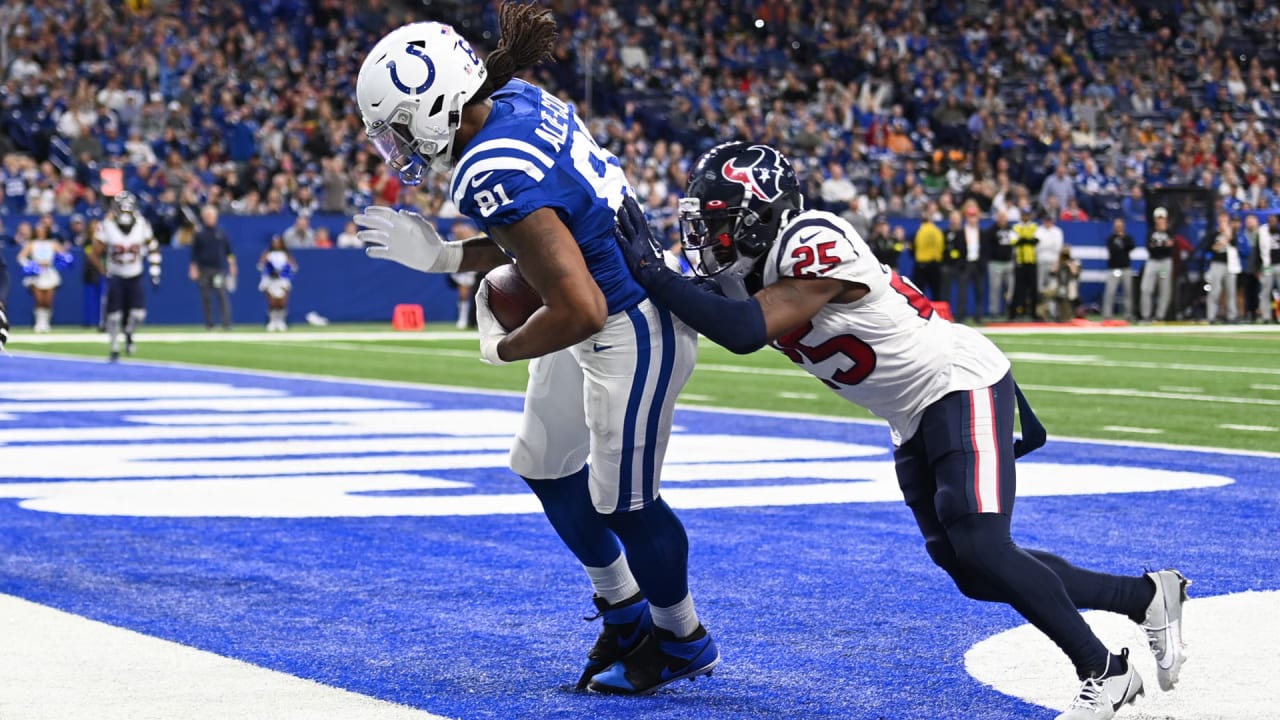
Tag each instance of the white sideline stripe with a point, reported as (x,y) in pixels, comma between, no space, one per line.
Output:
(57,665)
(694,397)
(1248,428)
(1058,343)
(126,390)
(1093,361)
(1136,430)
(1130,392)
(460,390)
(212,404)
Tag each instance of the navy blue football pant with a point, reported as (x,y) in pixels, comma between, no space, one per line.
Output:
(957,476)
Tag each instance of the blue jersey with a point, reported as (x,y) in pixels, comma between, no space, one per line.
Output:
(532,153)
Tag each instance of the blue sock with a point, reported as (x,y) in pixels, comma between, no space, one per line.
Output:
(567,504)
(657,550)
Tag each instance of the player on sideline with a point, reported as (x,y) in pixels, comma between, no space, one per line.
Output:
(122,240)
(607,364)
(947,392)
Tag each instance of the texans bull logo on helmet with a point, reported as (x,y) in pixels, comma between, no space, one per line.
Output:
(762,175)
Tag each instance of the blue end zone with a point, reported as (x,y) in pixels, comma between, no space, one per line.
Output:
(821,611)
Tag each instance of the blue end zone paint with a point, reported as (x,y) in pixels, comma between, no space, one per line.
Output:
(821,612)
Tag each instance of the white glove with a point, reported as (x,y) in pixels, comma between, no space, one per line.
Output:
(408,238)
(491,333)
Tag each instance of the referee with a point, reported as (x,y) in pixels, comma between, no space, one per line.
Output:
(213,266)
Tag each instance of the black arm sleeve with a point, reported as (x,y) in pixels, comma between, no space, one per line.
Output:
(736,325)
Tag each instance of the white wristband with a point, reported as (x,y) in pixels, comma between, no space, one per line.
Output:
(489,349)
(449,259)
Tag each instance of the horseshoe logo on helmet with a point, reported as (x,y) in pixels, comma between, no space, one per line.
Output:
(417,52)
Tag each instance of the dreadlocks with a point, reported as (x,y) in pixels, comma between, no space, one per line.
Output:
(527,37)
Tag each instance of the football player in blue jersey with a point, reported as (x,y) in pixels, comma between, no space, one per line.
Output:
(824,300)
(605,365)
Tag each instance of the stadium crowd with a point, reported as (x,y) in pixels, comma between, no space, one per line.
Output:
(896,108)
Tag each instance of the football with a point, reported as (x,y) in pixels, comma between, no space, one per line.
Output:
(511,298)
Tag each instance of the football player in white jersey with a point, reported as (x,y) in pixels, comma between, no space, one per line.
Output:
(606,364)
(123,241)
(807,284)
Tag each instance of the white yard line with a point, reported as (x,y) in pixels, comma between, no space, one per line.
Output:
(1179,388)
(1092,362)
(1058,343)
(798,395)
(1130,392)
(1248,428)
(1135,430)
(1262,386)
(322,377)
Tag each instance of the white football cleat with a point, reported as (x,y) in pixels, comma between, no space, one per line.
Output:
(1163,625)
(1100,697)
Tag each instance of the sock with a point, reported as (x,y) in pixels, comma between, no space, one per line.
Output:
(567,504)
(113,330)
(681,619)
(43,316)
(657,550)
(463,307)
(613,582)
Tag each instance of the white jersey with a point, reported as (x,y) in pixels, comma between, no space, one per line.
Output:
(888,352)
(124,250)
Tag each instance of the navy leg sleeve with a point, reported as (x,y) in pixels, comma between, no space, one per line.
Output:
(657,551)
(567,504)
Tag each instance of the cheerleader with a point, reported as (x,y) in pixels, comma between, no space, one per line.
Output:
(277,266)
(41,259)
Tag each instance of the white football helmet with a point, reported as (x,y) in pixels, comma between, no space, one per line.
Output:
(411,90)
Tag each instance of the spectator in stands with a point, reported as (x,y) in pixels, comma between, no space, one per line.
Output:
(1135,206)
(1120,245)
(1060,188)
(213,267)
(347,238)
(1073,212)
(927,249)
(300,234)
(1157,272)
(1221,279)
(837,190)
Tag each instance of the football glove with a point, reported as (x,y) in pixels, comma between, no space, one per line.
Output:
(408,238)
(639,246)
(4,326)
(491,333)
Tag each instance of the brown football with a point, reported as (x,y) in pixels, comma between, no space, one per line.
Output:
(511,298)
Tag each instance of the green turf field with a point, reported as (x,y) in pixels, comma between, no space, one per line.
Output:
(1189,386)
